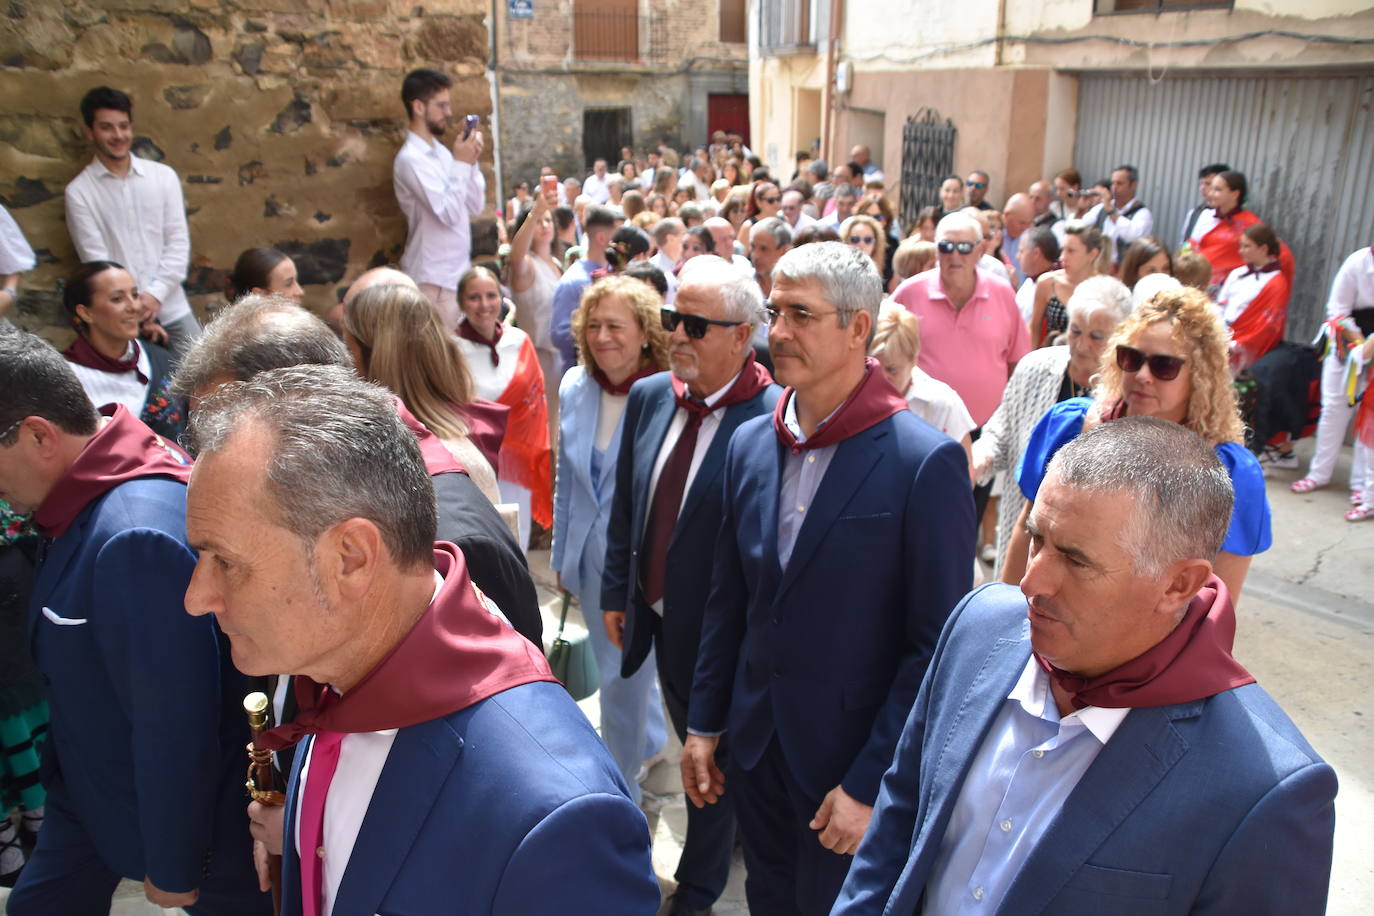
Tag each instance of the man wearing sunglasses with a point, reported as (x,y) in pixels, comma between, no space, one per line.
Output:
(666,517)
(847,537)
(977,185)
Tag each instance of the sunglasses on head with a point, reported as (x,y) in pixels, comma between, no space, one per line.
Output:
(980,185)
(945,247)
(1165,368)
(696,326)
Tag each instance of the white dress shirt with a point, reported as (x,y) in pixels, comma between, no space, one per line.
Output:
(16,255)
(705,433)
(596,188)
(138,221)
(1123,229)
(938,404)
(117,387)
(439,195)
(362,755)
(1353,287)
(1029,762)
(666,264)
(989,264)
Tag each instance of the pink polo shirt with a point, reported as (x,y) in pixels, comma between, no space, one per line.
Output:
(970,350)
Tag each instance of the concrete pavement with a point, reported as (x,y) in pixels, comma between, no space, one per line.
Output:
(1306,630)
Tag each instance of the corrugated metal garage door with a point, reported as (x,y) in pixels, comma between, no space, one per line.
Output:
(1306,144)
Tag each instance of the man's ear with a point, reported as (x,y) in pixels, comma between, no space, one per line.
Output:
(350,555)
(860,326)
(1185,578)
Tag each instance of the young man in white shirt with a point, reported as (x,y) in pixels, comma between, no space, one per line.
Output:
(129,210)
(439,191)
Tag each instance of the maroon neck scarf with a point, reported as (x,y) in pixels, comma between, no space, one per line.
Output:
(752,379)
(123,449)
(1191,663)
(1266,269)
(486,426)
(624,387)
(83,353)
(468,332)
(872,401)
(438,459)
(457,654)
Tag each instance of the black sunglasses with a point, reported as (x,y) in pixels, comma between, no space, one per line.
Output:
(862,240)
(1165,368)
(695,325)
(945,247)
(980,185)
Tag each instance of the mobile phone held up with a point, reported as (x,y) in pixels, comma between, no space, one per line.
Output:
(548,183)
(472,123)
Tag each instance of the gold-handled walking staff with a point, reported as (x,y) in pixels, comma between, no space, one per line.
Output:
(261,783)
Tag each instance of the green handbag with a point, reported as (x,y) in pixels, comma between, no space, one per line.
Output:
(572,660)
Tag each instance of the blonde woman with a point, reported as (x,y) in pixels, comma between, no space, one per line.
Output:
(866,234)
(397,341)
(620,339)
(1170,360)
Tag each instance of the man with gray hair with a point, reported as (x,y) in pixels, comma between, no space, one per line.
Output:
(769,239)
(446,769)
(1089,744)
(847,537)
(845,197)
(666,515)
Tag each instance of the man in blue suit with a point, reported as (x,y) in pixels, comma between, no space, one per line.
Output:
(847,539)
(656,579)
(1090,746)
(446,771)
(144,762)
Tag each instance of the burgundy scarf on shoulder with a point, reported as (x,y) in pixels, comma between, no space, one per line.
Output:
(623,388)
(123,449)
(1191,663)
(872,401)
(438,459)
(468,332)
(457,654)
(83,354)
(752,379)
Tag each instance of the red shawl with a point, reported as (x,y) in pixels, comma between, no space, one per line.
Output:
(1221,245)
(1260,327)
(438,459)
(525,456)
(872,401)
(121,450)
(457,654)
(1191,663)
(487,422)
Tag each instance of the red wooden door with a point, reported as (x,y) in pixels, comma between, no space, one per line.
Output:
(728,113)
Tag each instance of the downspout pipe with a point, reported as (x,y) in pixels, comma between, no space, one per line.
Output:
(493,84)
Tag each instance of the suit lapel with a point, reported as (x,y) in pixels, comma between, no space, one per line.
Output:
(855,458)
(1138,756)
(420,761)
(584,409)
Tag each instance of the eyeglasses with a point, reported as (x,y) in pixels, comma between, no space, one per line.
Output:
(945,247)
(862,240)
(1165,368)
(696,326)
(980,185)
(795,317)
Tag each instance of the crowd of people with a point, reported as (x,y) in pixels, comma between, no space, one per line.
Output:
(774,438)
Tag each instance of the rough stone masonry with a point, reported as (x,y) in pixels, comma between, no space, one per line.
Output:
(281,116)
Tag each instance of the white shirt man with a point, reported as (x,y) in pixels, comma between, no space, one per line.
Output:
(439,194)
(597,185)
(130,210)
(1123,219)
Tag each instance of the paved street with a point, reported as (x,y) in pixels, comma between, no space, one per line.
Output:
(1306,630)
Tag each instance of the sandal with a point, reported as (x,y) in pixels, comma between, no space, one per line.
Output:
(1356,497)
(1360,513)
(1306,485)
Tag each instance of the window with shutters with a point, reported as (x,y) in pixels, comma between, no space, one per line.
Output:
(792,26)
(733,29)
(1108,7)
(606,30)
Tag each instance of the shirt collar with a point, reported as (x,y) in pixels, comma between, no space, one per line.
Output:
(1032,691)
(136,166)
(412,138)
(980,286)
(789,417)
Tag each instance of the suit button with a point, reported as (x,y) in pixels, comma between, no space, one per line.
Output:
(319,851)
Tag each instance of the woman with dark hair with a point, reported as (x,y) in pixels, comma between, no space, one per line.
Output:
(1081,255)
(951,196)
(1217,232)
(697,240)
(926,220)
(518,203)
(397,341)
(620,339)
(628,243)
(1143,257)
(733,171)
(735,206)
(1254,298)
(112,364)
(764,200)
(1069,200)
(505,369)
(264,271)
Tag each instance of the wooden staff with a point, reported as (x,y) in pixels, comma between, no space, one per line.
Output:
(261,782)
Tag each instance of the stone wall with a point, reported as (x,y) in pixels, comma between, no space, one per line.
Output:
(281,116)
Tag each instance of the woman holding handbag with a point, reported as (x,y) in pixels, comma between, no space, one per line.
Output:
(620,339)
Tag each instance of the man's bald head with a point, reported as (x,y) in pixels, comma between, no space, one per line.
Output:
(723,234)
(254,334)
(1017,214)
(378,276)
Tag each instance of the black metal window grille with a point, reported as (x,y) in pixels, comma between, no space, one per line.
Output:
(927,160)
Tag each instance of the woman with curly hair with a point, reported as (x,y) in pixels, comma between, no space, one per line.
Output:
(620,339)
(1169,359)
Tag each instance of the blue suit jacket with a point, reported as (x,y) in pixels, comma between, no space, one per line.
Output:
(581,506)
(648,415)
(1214,806)
(511,806)
(147,733)
(828,654)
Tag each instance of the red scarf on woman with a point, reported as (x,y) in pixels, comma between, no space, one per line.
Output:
(123,449)
(1221,245)
(457,654)
(1191,663)
(611,387)
(438,459)
(468,332)
(83,354)
(872,401)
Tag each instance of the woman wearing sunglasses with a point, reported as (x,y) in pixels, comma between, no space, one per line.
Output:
(765,200)
(620,339)
(1168,360)
(866,234)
